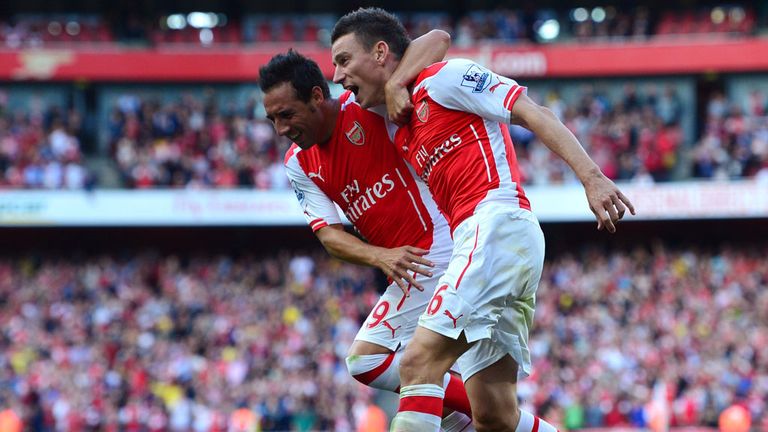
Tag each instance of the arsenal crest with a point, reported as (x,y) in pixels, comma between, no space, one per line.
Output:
(356,135)
(423,112)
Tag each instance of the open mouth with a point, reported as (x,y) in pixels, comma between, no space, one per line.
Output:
(295,137)
(353,89)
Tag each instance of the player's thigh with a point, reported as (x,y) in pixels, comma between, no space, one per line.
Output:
(498,258)
(492,393)
(362,348)
(429,355)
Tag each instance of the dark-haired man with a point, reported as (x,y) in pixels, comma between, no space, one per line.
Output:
(343,156)
(458,143)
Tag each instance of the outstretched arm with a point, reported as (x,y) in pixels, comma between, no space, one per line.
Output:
(422,52)
(396,263)
(606,201)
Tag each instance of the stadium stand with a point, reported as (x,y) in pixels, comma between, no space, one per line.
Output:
(181,342)
(40,148)
(194,143)
(151,278)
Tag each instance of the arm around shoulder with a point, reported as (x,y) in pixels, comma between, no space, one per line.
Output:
(422,52)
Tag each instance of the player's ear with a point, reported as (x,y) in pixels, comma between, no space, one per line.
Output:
(317,94)
(380,51)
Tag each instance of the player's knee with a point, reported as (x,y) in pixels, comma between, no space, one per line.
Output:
(417,366)
(375,370)
(486,419)
(362,348)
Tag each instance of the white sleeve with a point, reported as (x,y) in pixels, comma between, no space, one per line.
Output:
(319,210)
(466,86)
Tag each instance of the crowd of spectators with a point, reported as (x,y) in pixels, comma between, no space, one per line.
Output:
(151,342)
(685,327)
(734,142)
(164,343)
(40,148)
(209,141)
(195,143)
(636,136)
(601,23)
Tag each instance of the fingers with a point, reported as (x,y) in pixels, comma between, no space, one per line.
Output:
(419,270)
(403,286)
(400,112)
(620,209)
(610,210)
(411,279)
(406,281)
(626,201)
(416,251)
(613,215)
(608,224)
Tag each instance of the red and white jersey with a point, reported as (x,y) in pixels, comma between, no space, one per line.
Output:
(459,141)
(361,170)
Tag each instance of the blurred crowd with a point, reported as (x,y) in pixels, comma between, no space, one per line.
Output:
(684,330)
(195,143)
(151,343)
(40,147)
(634,134)
(163,343)
(500,25)
(734,142)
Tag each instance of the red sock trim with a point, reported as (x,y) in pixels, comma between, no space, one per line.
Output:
(423,404)
(368,377)
(456,396)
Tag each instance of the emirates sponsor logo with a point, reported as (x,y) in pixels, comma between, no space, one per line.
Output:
(360,198)
(426,161)
(356,135)
(423,112)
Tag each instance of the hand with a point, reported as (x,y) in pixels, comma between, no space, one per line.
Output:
(403,264)
(606,202)
(399,105)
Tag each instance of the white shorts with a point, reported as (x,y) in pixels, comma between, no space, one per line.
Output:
(489,289)
(393,320)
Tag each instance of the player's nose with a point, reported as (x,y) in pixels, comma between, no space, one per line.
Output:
(338,75)
(282,128)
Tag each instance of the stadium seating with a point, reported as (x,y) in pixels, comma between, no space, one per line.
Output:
(161,341)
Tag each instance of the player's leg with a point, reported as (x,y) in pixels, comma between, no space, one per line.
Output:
(493,366)
(374,357)
(378,367)
(496,388)
(427,358)
(497,259)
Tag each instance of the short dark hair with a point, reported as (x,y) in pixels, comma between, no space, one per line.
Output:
(370,25)
(303,73)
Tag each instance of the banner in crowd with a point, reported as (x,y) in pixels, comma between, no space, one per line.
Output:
(669,201)
(241,64)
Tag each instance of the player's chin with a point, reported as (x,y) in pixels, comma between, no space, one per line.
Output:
(362,100)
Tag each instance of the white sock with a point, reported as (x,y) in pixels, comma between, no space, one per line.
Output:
(457,422)
(531,423)
(421,407)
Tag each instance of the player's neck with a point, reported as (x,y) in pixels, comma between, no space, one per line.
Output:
(330,109)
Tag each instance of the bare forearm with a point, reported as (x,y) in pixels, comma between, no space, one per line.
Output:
(605,200)
(561,141)
(345,246)
(422,52)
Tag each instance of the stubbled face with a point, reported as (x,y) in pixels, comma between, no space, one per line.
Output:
(358,70)
(302,122)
